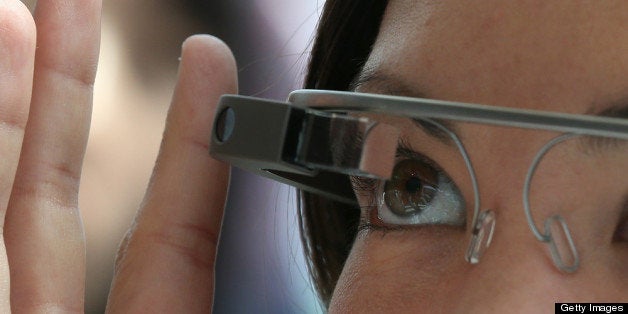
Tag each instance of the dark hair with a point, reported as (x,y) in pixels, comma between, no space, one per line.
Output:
(346,33)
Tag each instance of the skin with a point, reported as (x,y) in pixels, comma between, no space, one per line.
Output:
(554,56)
(562,56)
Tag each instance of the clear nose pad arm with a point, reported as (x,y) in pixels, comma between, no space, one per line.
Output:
(568,263)
(482,223)
(313,150)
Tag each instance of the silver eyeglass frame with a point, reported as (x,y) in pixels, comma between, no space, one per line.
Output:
(324,104)
(571,125)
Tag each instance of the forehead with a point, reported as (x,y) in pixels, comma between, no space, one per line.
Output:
(565,56)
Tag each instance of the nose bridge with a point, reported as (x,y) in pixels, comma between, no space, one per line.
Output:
(516,267)
(501,157)
(501,161)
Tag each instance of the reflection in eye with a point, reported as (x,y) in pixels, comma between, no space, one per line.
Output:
(419,193)
(411,188)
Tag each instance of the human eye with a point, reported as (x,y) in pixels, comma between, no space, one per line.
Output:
(418,193)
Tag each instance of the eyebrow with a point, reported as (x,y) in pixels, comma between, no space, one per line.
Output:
(380,82)
(384,83)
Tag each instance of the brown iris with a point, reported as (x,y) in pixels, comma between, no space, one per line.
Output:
(412,187)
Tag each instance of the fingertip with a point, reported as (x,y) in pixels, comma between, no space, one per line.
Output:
(68,38)
(209,59)
(207,71)
(18,35)
(16,11)
(17,51)
(205,43)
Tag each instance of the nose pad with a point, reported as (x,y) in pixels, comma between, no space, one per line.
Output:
(562,247)
(481,236)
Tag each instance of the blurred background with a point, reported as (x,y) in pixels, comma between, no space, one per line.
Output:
(260,267)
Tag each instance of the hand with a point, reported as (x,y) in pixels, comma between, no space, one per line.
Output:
(47,70)
(166,261)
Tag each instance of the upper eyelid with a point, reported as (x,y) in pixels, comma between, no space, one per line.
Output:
(405,150)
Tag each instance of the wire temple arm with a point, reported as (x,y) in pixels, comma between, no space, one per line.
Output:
(563,251)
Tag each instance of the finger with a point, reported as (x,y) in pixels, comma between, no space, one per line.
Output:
(17,51)
(167,262)
(43,233)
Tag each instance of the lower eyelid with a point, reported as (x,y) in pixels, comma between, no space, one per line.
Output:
(377,227)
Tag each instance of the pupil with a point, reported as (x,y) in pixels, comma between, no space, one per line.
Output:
(413,185)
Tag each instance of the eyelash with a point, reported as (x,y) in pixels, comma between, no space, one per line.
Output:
(404,151)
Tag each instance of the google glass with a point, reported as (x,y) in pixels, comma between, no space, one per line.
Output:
(318,139)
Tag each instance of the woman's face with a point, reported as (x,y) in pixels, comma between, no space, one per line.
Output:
(563,56)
